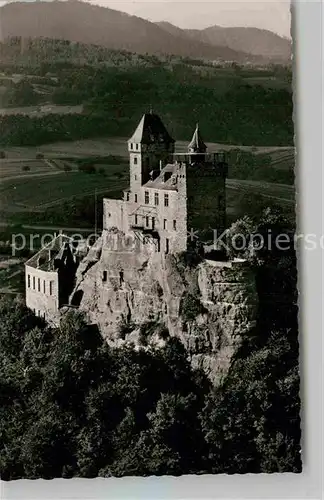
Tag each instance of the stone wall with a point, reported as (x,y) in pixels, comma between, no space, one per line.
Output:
(38,296)
(115,214)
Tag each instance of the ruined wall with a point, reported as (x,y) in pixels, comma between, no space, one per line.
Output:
(38,296)
(210,307)
(115,214)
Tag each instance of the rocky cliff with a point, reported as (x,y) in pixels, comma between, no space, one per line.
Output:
(142,296)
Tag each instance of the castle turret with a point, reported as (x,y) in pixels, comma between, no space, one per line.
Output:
(150,148)
(197,148)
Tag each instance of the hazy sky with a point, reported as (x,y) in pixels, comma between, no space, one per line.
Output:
(268,14)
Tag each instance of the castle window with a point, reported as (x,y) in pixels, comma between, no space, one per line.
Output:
(28,278)
(153,222)
(166,245)
(135,177)
(135,160)
(166,200)
(156,198)
(136,146)
(174,225)
(147,198)
(147,222)
(34,284)
(51,288)
(39,288)
(136,220)
(104,276)
(44,286)
(135,197)
(127,196)
(164,223)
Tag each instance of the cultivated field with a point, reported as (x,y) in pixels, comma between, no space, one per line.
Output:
(105,146)
(38,193)
(280,158)
(17,169)
(46,184)
(12,275)
(38,111)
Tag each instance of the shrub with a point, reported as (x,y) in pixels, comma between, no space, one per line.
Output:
(150,328)
(124,328)
(87,168)
(190,307)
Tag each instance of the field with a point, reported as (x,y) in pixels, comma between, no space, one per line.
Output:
(26,195)
(37,111)
(12,276)
(42,191)
(282,158)
(105,146)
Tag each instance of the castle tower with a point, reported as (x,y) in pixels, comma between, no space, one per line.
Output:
(150,148)
(206,189)
(197,148)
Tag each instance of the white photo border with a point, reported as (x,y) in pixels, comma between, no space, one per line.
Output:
(308,102)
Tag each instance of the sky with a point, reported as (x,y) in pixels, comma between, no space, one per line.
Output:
(273,15)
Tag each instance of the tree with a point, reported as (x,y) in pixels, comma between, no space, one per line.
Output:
(239,242)
(252,423)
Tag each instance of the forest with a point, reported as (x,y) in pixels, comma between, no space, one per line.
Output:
(230,109)
(70,405)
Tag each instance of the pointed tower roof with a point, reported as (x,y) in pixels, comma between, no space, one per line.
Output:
(197,144)
(151,130)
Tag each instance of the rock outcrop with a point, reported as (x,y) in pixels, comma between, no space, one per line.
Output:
(136,296)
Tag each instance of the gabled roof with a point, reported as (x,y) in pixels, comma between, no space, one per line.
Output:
(57,249)
(197,144)
(151,130)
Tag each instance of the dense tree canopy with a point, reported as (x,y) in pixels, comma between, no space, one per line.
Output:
(228,109)
(72,406)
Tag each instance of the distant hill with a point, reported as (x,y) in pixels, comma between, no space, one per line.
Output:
(90,24)
(253,41)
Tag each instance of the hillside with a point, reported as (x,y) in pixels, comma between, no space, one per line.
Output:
(91,24)
(254,41)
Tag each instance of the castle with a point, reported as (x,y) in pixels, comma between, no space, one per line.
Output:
(171,196)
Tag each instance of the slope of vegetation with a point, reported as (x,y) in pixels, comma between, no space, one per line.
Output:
(228,111)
